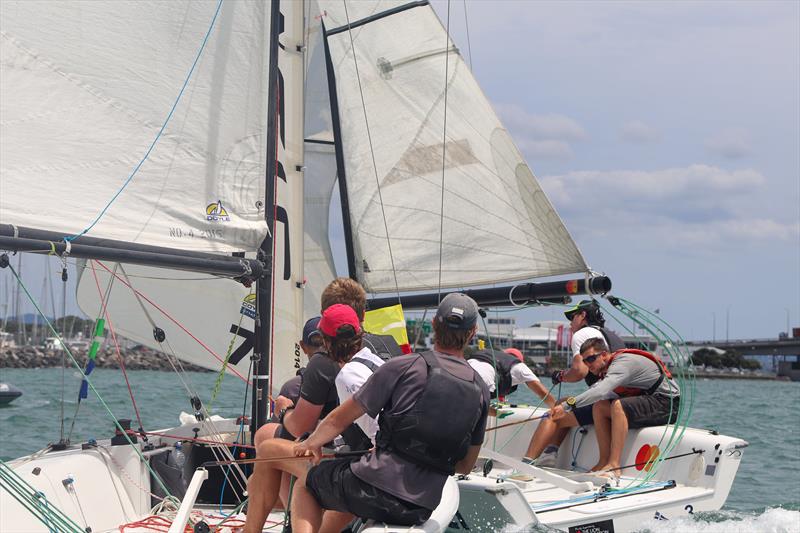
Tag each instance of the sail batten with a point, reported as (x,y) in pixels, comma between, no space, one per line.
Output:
(497,224)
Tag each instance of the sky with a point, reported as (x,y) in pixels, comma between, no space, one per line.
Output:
(666,134)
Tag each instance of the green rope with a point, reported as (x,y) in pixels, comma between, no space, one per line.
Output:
(221,375)
(89,381)
(35,502)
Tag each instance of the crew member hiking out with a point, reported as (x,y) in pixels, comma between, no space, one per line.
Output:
(432,410)
(511,372)
(586,321)
(635,390)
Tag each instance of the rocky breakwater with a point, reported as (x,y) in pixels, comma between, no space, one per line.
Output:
(134,359)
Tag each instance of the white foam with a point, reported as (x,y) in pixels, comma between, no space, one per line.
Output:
(776,520)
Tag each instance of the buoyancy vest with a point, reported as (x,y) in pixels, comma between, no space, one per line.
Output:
(502,362)
(384,346)
(634,391)
(614,343)
(436,432)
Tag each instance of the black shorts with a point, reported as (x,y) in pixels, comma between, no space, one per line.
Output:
(650,410)
(335,487)
(584,415)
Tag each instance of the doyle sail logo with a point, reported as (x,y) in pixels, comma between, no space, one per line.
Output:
(249,306)
(216,212)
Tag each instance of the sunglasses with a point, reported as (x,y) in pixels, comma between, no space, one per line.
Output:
(592,358)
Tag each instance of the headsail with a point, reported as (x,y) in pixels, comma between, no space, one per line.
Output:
(389,61)
(85,88)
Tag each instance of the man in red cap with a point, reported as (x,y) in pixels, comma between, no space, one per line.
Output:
(401,481)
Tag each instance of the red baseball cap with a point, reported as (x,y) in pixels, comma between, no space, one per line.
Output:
(516,353)
(335,317)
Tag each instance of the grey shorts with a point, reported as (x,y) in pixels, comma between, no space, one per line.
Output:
(650,410)
(334,486)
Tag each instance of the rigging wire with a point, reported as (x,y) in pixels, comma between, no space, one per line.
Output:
(160,132)
(444,148)
(372,152)
(89,381)
(469,45)
(171,319)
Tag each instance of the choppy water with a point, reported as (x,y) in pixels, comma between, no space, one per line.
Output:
(765,496)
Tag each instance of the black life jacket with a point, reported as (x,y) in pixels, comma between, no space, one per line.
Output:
(384,346)
(503,363)
(614,343)
(435,433)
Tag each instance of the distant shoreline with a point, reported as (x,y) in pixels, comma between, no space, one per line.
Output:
(139,359)
(733,375)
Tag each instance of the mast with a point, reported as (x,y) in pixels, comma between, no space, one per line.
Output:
(264,285)
(340,167)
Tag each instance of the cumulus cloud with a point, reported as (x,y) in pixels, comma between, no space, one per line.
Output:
(732,143)
(636,131)
(693,207)
(541,136)
(540,127)
(647,186)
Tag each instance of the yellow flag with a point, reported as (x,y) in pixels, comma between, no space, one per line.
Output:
(387,321)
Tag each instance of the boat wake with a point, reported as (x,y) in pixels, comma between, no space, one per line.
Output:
(771,520)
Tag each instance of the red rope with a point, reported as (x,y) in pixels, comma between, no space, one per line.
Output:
(104,312)
(167,315)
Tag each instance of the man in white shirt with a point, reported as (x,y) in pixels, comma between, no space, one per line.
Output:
(351,377)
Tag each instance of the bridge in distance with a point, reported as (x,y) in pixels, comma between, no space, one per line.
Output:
(788,346)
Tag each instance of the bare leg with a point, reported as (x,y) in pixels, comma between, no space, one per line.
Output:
(546,431)
(619,432)
(601,413)
(267,431)
(264,485)
(335,521)
(306,512)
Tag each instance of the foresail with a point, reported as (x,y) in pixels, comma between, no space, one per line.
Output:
(204,319)
(86,86)
(407,183)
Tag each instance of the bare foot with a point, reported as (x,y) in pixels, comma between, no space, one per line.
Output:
(598,466)
(611,471)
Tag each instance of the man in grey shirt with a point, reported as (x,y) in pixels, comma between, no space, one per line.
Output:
(433,408)
(635,390)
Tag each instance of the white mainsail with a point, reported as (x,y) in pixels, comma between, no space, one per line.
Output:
(84,91)
(206,318)
(496,222)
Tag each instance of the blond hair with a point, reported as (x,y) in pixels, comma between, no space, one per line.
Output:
(345,291)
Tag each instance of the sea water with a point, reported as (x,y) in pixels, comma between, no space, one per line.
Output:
(765,496)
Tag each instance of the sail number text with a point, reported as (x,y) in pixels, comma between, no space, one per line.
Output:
(190,233)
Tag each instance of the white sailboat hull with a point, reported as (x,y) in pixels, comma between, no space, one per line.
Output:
(688,483)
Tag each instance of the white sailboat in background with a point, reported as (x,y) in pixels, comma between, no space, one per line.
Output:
(209,137)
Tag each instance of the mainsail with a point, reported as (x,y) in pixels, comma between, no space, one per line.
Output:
(407,181)
(85,88)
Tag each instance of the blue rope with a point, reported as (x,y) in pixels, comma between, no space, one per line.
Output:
(161,131)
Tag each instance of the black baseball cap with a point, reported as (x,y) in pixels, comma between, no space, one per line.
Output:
(457,311)
(311,333)
(583,305)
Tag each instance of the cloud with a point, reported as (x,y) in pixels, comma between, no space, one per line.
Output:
(695,206)
(540,127)
(732,143)
(549,149)
(637,131)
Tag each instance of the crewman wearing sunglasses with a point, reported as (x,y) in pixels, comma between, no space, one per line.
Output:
(635,390)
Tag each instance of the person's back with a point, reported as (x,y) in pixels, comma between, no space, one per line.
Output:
(495,368)
(398,466)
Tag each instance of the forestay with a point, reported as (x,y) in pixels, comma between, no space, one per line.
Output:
(497,224)
(84,91)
